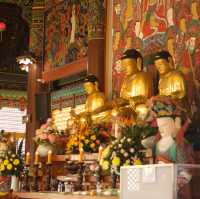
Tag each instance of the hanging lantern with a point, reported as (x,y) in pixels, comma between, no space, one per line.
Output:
(2,26)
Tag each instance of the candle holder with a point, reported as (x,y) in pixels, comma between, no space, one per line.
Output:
(26,178)
(48,177)
(98,172)
(80,174)
(36,177)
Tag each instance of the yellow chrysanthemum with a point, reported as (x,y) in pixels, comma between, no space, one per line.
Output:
(9,166)
(92,145)
(5,162)
(127,163)
(137,162)
(106,152)
(86,141)
(93,137)
(116,161)
(16,161)
(105,165)
(2,167)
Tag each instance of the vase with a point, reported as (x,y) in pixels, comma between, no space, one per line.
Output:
(43,149)
(14,183)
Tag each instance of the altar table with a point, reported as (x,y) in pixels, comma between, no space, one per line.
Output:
(48,195)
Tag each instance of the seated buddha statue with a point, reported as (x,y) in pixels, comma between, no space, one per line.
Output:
(95,100)
(171,83)
(137,84)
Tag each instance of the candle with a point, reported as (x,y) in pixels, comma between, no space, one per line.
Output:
(27,161)
(81,153)
(49,157)
(100,153)
(36,158)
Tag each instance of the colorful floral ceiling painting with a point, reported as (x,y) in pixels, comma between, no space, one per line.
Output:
(66,32)
(152,25)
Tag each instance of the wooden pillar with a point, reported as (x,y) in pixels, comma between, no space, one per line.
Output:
(32,124)
(96,40)
(35,72)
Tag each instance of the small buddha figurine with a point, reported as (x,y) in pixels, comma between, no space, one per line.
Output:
(171,81)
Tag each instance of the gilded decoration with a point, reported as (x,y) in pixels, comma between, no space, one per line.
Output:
(150,26)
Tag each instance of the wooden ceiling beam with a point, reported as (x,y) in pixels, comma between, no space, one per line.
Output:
(66,70)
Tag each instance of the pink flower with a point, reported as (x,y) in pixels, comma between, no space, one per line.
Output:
(52,138)
(49,121)
(44,126)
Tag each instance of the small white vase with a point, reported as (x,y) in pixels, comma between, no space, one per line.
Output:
(14,183)
(43,149)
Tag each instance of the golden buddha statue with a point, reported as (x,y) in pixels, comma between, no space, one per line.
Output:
(95,100)
(171,81)
(137,84)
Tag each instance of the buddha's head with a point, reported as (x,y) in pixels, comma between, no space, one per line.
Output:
(90,84)
(163,62)
(131,62)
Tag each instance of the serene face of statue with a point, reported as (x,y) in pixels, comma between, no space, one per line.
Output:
(129,66)
(167,126)
(89,87)
(162,65)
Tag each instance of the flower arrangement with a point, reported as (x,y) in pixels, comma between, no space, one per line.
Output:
(47,133)
(7,142)
(127,150)
(11,163)
(89,139)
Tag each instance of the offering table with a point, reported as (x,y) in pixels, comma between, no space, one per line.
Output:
(53,195)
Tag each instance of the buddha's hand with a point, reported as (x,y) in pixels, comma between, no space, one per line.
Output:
(117,102)
(134,101)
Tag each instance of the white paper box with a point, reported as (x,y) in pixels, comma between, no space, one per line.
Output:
(160,181)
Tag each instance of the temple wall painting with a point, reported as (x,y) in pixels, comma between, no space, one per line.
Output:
(152,25)
(66,32)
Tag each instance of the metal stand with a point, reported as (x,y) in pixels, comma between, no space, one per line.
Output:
(48,177)
(36,178)
(26,178)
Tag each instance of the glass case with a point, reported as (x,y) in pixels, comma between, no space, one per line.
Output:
(160,181)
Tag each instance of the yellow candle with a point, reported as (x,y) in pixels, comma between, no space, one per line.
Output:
(49,157)
(100,153)
(36,158)
(81,153)
(27,162)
